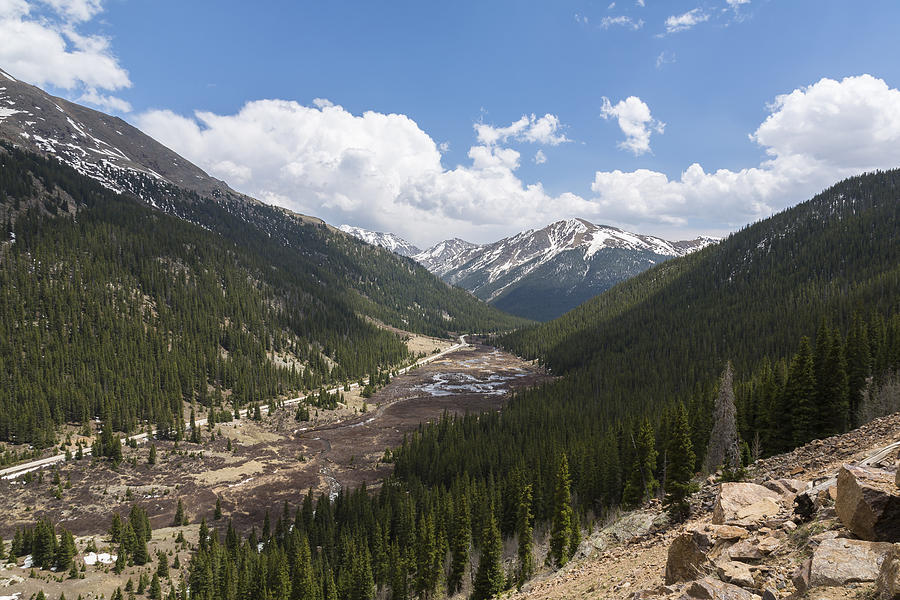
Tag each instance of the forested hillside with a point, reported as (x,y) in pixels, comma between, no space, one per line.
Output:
(110,308)
(629,356)
(630,417)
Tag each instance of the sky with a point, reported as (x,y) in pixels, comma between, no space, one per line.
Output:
(481,119)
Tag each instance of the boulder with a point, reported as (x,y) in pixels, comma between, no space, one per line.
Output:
(887,585)
(687,558)
(868,503)
(713,589)
(745,503)
(840,561)
(735,572)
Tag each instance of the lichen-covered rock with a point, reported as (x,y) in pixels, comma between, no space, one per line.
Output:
(735,572)
(868,503)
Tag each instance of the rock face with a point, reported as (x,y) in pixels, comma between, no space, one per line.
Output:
(687,558)
(840,561)
(745,504)
(888,583)
(868,503)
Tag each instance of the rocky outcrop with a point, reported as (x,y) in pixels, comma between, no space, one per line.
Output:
(888,582)
(713,589)
(745,504)
(841,561)
(868,503)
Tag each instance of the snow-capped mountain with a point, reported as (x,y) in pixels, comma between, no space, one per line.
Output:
(394,243)
(543,273)
(105,148)
(446,256)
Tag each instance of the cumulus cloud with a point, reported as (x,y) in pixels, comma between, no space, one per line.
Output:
(621,21)
(685,21)
(42,45)
(539,157)
(539,130)
(635,121)
(375,170)
(813,136)
(383,172)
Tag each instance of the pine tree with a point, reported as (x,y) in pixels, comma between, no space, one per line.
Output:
(800,394)
(723,449)
(561,530)
(524,532)
(642,483)
(151,459)
(217,514)
(460,541)
(489,579)
(426,574)
(65,551)
(155,592)
(859,364)
(180,518)
(680,469)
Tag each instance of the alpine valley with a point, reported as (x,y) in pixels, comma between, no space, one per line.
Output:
(205,395)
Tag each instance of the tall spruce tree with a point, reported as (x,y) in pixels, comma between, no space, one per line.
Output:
(680,469)
(489,579)
(563,517)
(460,541)
(642,483)
(800,395)
(524,532)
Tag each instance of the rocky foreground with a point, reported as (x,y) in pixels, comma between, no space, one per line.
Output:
(821,522)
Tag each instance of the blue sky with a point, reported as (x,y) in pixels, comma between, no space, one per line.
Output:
(625,99)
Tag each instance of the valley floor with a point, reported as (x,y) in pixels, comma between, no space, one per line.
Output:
(272,461)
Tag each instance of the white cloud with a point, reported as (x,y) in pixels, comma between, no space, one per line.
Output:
(635,121)
(375,170)
(736,3)
(640,3)
(104,101)
(529,128)
(622,21)
(685,21)
(45,48)
(383,172)
(813,137)
(539,157)
(76,11)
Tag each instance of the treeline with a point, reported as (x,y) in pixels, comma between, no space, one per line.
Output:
(127,310)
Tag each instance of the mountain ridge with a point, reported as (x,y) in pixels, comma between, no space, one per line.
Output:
(541,273)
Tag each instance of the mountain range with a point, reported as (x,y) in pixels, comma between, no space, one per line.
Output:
(541,273)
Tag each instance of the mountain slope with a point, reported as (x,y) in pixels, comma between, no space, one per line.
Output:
(543,273)
(194,293)
(394,243)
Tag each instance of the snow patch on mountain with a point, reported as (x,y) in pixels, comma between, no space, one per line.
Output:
(394,243)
